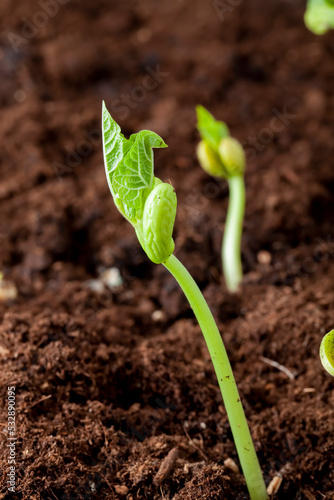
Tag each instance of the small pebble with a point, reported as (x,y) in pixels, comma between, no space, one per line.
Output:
(230,464)
(158,316)
(121,490)
(112,277)
(264,257)
(4,352)
(134,408)
(143,35)
(94,285)
(8,290)
(20,96)
(202,425)
(315,102)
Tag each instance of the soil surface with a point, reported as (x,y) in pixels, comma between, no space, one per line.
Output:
(114,384)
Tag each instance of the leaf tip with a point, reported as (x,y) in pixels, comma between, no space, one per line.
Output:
(203,113)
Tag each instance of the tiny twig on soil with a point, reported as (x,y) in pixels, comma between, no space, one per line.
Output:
(166,467)
(309,495)
(106,480)
(274,485)
(106,442)
(194,446)
(44,398)
(54,495)
(282,368)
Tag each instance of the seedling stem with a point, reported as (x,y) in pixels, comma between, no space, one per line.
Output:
(240,430)
(231,256)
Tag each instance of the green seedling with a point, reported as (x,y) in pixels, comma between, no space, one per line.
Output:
(150,206)
(327,352)
(319,16)
(223,156)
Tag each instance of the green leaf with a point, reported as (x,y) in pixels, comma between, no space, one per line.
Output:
(113,144)
(134,177)
(211,130)
(319,16)
(129,166)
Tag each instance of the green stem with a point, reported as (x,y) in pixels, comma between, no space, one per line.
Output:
(231,398)
(231,253)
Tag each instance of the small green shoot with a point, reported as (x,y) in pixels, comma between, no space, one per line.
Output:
(223,156)
(150,206)
(319,16)
(327,352)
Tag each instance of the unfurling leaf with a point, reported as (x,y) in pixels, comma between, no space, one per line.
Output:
(129,166)
(211,130)
(133,177)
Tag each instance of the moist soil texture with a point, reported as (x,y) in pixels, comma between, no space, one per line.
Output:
(116,396)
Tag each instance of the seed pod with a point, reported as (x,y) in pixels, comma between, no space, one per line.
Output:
(209,160)
(232,155)
(158,223)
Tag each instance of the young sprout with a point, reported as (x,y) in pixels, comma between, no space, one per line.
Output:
(319,16)
(327,352)
(223,156)
(150,206)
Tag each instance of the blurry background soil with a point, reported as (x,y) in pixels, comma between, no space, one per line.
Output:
(110,379)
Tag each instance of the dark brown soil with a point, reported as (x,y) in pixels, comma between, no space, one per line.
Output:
(108,382)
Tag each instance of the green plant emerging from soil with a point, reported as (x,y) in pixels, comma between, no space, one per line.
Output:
(327,352)
(150,206)
(319,16)
(223,156)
